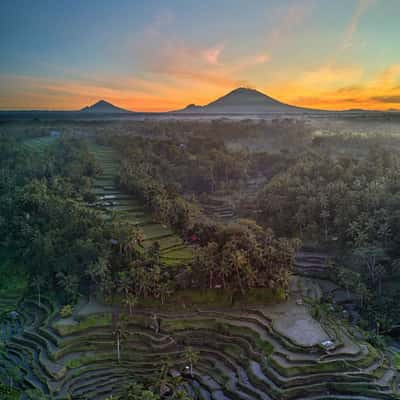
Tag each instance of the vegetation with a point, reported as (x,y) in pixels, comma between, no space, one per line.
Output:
(351,204)
(122,218)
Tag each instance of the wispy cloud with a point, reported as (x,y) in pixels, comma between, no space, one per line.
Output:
(387,99)
(164,69)
(288,19)
(329,75)
(343,87)
(166,57)
(213,54)
(361,8)
(50,93)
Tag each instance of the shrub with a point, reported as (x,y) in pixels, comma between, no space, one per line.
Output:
(67,311)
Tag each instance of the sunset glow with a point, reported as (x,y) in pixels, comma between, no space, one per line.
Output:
(161,56)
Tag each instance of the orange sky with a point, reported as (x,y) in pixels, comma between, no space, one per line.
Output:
(309,53)
(326,87)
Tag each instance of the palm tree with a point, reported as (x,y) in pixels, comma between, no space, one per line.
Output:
(180,394)
(38,282)
(143,281)
(237,264)
(119,334)
(164,289)
(133,238)
(154,251)
(209,259)
(224,271)
(98,270)
(190,356)
(70,283)
(131,301)
(124,283)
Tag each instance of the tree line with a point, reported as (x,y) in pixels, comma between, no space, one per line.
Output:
(350,203)
(240,256)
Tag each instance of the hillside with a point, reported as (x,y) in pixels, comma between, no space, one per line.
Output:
(244,101)
(103,106)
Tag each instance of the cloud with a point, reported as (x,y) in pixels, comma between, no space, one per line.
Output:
(328,75)
(166,57)
(30,92)
(324,87)
(341,87)
(160,21)
(361,8)
(387,99)
(212,55)
(346,90)
(169,71)
(389,77)
(289,19)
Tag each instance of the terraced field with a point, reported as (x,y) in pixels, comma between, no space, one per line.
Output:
(253,353)
(243,354)
(125,207)
(39,143)
(312,264)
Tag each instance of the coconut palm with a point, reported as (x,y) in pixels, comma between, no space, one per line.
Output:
(98,270)
(180,394)
(125,283)
(38,282)
(119,335)
(69,282)
(191,357)
(133,238)
(130,300)
(209,259)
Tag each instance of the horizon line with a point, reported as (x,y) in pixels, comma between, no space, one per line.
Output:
(127,110)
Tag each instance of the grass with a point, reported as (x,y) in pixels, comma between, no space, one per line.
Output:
(79,362)
(127,209)
(217,326)
(166,242)
(173,250)
(396,360)
(259,296)
(154,231)
(183,253)
(214,298)
(84,323)
(39,144)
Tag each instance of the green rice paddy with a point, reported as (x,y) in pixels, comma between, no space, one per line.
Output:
(127,208)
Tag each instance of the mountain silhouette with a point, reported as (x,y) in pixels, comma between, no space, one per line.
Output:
(244,101)
(103,106)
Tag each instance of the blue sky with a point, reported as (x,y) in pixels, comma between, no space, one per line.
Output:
(161,55)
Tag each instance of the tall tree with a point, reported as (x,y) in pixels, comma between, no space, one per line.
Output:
(38,283)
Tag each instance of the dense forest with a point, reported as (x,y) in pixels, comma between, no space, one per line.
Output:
(349,204)
(239,256)
(47,206)
(130,209)
(338,192)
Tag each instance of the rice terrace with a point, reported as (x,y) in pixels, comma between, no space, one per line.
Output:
(190,237)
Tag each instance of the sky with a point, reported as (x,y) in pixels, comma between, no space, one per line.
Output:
(159,55)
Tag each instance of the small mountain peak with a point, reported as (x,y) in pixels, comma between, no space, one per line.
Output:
(191,106)
(243,89)
(102,102)
(103,106)
(245,100)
